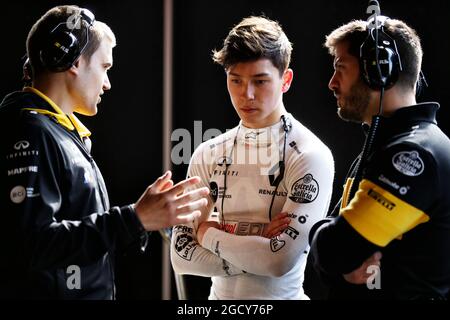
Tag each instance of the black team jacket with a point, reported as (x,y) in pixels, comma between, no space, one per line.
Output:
(401,208)
(58,233)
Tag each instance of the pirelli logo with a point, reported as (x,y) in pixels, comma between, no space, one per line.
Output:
(381,200)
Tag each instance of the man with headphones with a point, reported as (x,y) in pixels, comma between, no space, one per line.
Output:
(389,237)
(58,232)
(270,179)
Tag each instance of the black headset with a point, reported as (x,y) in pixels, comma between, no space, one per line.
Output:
(63,48)
(380,66)
(379,58)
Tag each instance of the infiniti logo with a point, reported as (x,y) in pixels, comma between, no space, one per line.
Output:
(224,160)
(21,145)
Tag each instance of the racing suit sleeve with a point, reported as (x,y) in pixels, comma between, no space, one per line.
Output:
(391,200)
(33,193)
(309,180)
(187,255)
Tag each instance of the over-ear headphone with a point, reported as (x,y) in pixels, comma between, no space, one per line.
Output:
(379,58)
(63,48)
(380,68)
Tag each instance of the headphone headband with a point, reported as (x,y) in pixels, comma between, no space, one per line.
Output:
(63,47)
(87,16)
(379,58)
(379,23)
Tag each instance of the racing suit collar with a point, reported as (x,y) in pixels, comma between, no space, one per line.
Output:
(261,136)
(71,122)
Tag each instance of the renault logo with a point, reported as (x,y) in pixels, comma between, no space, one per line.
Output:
(21,145)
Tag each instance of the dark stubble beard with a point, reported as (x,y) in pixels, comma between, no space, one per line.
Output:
(354,106)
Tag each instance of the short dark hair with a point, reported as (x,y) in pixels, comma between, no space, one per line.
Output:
(408,45)
(41,30)
(252,39)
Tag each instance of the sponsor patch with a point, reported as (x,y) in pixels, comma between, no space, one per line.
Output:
(244,228)
(21,145)
(21,170)
(305,190)
(31,194)
(214,190)
(291,232)
(302,219)
(224,160)
(232,173)
(22,153)
(185,246)
(387,181)
(271,192)
(184,229)
(276,244)
(18,194)
(249,229)
(402,190)
(219,193)
(381,200)
(408,163)
(230,228)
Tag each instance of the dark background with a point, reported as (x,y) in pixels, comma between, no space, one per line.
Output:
(127,131)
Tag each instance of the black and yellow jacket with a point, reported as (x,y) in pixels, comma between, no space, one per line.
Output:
(401,208)
(57,231)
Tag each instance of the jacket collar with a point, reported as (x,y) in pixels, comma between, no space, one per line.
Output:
(405,119)
(71,122)
(422,112)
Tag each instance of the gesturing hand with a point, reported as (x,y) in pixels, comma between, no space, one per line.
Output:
(163,204)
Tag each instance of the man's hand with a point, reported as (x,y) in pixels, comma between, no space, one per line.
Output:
(360,275)
(163,204)
(203,227)
(278,224)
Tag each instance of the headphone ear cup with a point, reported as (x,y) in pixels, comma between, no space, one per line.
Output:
(388,62)
(60,52)
(389,67)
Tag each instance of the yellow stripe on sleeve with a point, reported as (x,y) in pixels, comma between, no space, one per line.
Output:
(379,216)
